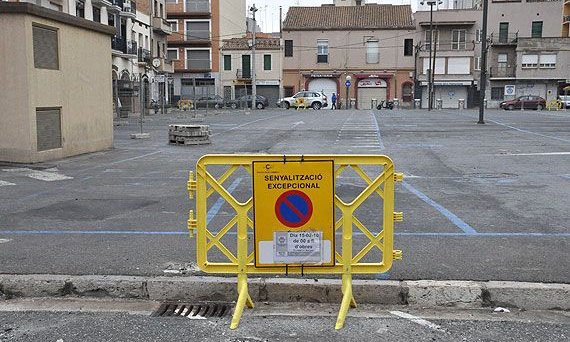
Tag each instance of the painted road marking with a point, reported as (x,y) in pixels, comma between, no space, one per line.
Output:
(4,183)
(213,211)
(247,123)
(417,320)
(4,240)
(467,229)
(530,132)
(50,175)
(538,154)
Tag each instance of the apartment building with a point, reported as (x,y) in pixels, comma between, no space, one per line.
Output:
(138,47)
(527,56)
(199,27)
(457,52)
(372,45)
(237,70)
(566,19)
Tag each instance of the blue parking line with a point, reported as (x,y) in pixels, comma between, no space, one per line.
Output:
(467,229)
(218,205)
(378,132)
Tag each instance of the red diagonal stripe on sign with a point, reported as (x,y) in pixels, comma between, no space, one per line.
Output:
(294,209)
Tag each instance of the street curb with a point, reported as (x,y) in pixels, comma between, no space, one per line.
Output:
(425,293)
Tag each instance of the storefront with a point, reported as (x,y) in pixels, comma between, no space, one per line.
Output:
(370,87)
(450,92)
(326,83)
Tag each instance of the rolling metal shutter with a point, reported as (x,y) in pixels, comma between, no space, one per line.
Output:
(45,48)
(48,129)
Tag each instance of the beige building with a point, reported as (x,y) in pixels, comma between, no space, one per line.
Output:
(566,19)
(49,110)
(373,44)
(527,55)
(236,75)
(457,50)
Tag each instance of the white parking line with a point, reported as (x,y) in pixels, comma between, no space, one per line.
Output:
(538,154)
(4,183)
(50,175)
(4,240)
(417,320)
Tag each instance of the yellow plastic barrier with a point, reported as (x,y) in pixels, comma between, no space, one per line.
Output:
(301,102)
(184,104)
(239,259)
(554,104)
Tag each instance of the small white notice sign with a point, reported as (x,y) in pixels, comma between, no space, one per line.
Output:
(298,247)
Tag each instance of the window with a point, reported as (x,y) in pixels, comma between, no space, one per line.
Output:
(198,59)
(536,31)
(408,47)
(372,52)
(266,62)
(478,34)
(458,40)
(227,62)
(548,61)
(322,51)
(288,48)
(46,55)
(96,14)
(197,6)
(458,65)
(173,25)
(503,32)
(497,93)
(477,65)
(197,30)
(529,61)
(434,37)
(172,55)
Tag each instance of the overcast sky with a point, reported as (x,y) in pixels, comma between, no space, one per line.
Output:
(268,14)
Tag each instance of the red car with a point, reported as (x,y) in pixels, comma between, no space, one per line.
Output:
(525,102)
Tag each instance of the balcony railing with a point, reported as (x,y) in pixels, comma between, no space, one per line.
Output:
(502,72)
(160,25)
(451,46)
(200,6)
(505,39)
(243,73)
(119,44)
(197,35)
(132,47)
(144,56)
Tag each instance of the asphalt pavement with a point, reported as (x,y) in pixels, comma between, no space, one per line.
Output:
(480,202)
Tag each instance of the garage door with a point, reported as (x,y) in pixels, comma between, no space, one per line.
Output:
(365,96)
(450,95)
(271,92)
(326,85)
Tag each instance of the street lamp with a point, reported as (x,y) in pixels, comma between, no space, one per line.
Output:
(347,84)
(253,9)
(431,3)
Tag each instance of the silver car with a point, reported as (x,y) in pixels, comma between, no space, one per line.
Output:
(313,99)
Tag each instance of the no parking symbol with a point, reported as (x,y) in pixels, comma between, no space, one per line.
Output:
(293,208)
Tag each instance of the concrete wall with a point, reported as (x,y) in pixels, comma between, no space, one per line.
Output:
(81,87)
(232,18)
(520,16)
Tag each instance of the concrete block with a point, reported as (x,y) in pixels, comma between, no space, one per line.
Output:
(444,293)
(388,292)
(301,290)
(528,296)
(140,136)
(196,289)
(33,285)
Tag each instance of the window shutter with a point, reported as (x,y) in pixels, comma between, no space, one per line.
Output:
(45,48)
(48,129)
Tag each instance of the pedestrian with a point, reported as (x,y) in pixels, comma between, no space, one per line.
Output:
(333,99)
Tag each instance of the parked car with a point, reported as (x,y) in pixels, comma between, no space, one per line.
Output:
(526,102)
(212,101)
(260,103)
(313,99)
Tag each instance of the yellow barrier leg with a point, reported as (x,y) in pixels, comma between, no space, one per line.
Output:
(347,301)
(243,300)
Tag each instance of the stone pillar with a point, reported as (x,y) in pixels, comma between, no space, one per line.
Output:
(104,16)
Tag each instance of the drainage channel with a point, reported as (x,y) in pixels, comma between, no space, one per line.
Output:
(193,311)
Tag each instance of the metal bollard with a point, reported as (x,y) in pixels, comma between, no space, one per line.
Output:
(461,103)
(417,103)
(373,103)
(439,104)
(396,103)
(485,102)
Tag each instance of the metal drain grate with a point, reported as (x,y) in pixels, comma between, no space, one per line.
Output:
(193,311)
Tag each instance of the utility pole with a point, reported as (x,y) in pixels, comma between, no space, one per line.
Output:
(483,79)
(253,9)
(431,3)
(433,70)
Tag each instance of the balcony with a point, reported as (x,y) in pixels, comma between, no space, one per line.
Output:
(144,56)
(166,66)
(161,26)
(197,6)
(566,19)
(116,6)
(129,9)
(502,72)
(118,45)
(243,74)
(450,46)
(505,39)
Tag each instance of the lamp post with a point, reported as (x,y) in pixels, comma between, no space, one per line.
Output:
(430,3)
(253,9)
(483,80)
(347,84)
